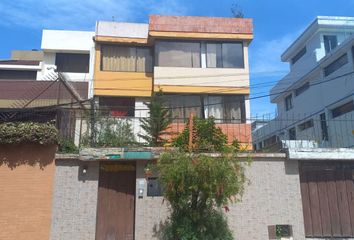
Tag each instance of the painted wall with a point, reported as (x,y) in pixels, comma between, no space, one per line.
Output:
(131,84)
(26,191)
(273,197)
(209,80)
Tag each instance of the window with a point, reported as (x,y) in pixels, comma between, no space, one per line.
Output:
(335,65)
(289,102)
(17,75)
(270,141)
(292,134)
(117,106)
(302,89)
(224,55)
(343,109)
(324,128)
(153,187)
(305,125)
(298,55)
(72,62)
(225,109)
(126,59)
(330,42)
(178,54)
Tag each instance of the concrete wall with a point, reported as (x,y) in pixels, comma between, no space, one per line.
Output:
(74,201)
(273,197)
(26,176)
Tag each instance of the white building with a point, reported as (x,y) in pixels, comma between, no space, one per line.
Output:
(315,99)
(68,52)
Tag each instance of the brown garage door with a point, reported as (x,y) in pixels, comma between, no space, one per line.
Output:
(116,202)
(327,190)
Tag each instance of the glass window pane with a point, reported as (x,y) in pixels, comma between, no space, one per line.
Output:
(118,58)
(213,52)
(178,54)
(232,55)
(234,109)
(72,62)
(144,60)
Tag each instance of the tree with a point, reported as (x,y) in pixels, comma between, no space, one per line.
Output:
(237,11)
(157,123)
(199,186)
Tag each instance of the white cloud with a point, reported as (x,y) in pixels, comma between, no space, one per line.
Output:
(265,56)
(81,14)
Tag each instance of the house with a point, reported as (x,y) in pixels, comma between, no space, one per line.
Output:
(200,63)
(315,99)
(70,53)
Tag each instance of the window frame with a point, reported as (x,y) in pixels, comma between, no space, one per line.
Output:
(136,51)
(338,108)
(290,106)
(305,125)
(299,55)
(59,60)
(333,66)
(329,48)
(300,90)
(156,58)
(222,61)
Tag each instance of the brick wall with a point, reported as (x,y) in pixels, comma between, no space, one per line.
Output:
(75,200)
(26,176)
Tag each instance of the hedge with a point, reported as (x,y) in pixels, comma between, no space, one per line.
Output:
(28,132)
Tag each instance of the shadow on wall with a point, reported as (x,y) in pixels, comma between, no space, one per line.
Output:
(14,155)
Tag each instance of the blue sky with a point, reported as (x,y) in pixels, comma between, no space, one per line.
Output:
(276,24)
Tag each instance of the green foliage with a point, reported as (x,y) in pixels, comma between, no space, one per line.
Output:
(67,146)
(112,132)
(28,132)
(158,121)
(206,137)
(197,186)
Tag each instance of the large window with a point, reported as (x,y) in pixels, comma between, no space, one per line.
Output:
(225,109)
(178,54)
(337,64)
(117,106)
(330,42)
(343,109)
(72,62)
(18,75)
(199,54)
(126,59)
(224,55)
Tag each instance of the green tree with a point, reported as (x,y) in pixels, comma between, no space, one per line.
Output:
(206,137)
(198,186)
(159,119)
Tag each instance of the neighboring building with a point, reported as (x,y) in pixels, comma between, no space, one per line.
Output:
(200,63)
(315,100)
(70,53)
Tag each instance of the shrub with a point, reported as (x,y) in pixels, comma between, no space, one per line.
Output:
(67,146)
(28,132)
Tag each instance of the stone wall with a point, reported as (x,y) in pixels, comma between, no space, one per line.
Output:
(75,200)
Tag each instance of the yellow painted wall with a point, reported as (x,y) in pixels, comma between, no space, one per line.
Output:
(107,83)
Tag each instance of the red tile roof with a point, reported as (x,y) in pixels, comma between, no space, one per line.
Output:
(200,24)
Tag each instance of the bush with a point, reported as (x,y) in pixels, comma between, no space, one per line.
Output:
(206,137)
(28,132)
(67,146)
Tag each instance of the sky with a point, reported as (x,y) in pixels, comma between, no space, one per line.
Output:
(277,23)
